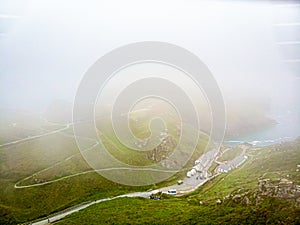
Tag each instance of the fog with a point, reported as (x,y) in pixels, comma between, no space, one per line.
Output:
(251,47)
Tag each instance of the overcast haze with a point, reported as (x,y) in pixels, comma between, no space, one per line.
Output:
(252,48)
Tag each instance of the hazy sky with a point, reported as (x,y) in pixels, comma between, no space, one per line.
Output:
(252,48)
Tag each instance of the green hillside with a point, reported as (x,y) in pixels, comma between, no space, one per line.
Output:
(58,177)
(233,198)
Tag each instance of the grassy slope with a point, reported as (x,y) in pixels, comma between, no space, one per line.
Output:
(17,125)
(172,211)
(230,154)
(22,160)
(267,162)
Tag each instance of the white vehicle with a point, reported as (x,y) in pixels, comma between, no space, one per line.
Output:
(188,174)
(180,182)
(172,192)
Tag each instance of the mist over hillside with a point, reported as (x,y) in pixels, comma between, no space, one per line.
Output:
(243,115)
(149,112)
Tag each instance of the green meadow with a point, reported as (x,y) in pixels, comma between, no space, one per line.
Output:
(274,162)
(58,177)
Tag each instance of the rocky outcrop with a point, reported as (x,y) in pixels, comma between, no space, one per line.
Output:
(163,150)
(282,189)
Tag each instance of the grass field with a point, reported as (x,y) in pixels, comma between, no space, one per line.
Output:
(16,125)
(177,211)
(56,156)
(230,154)
(275,162)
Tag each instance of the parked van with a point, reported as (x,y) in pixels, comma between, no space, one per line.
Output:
(172,192)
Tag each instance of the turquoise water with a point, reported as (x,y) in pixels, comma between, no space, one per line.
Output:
(287,129)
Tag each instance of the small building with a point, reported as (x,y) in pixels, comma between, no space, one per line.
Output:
(193,171)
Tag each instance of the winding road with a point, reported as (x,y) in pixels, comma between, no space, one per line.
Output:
(36,136)
(189,184)
(182,189)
